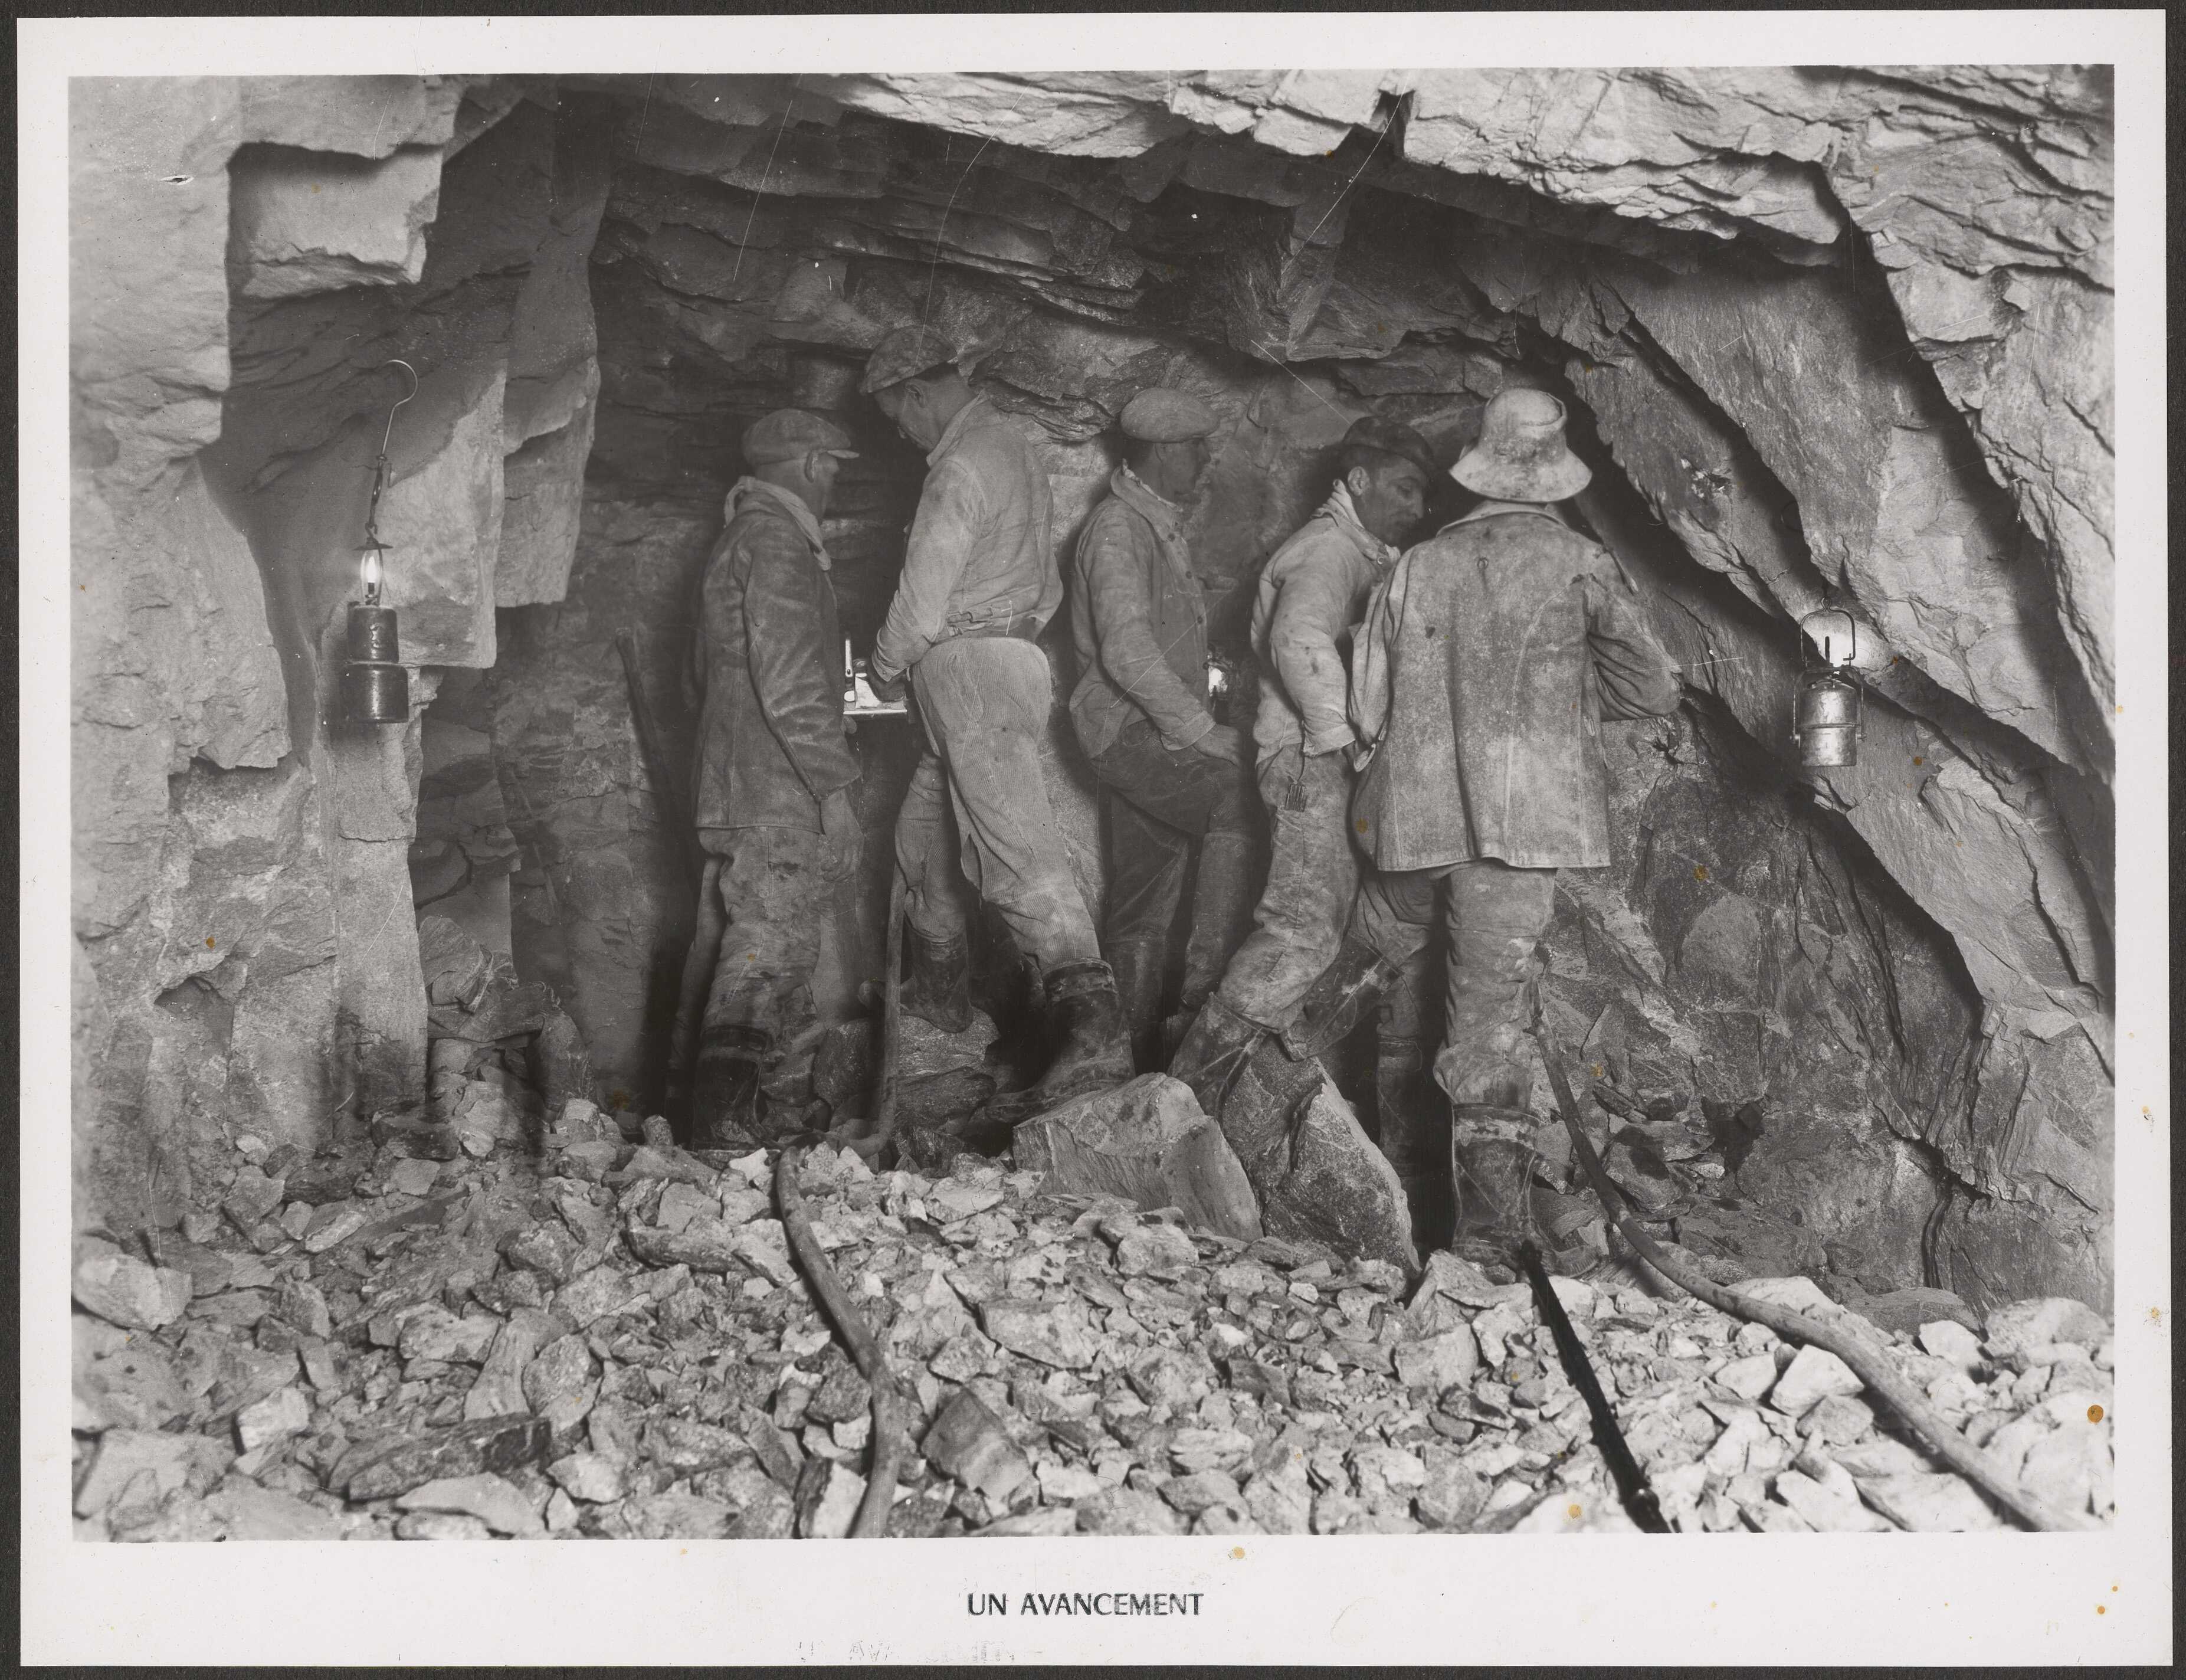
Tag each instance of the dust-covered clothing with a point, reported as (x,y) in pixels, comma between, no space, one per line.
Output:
(1311,591)
(767,661)
(1495,916)
(776,901)
(1313,874)
(982,704)
(980,553)
(1137,619)
(1488,659)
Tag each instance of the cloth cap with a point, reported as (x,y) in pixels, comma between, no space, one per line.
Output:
(790,434)
(905,354)
(1390,438)
(1521,455)
(1161,415)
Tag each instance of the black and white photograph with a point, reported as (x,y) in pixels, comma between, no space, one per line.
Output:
(1191,811)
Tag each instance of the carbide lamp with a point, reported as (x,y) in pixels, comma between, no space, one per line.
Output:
(1826,706)
(375,686)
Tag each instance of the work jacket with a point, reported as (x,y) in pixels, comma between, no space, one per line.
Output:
(979,554)
(768,662)
(1487,658)
(1137,619)
(1312,590)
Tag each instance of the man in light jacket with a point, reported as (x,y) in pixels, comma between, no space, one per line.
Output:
(1312,590)
(1172,779)
(774,776)
(1488,659)
(979,582)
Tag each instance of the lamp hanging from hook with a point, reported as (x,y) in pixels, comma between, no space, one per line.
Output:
(376,686)
(1828,702)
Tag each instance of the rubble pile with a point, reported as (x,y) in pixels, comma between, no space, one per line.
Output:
(579,1334)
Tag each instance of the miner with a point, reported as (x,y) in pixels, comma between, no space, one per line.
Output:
(1313,589)
(1170,775)
(979,582)
(1487,660)
(774,774)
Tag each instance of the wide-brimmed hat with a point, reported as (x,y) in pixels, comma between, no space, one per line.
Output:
(1521,455)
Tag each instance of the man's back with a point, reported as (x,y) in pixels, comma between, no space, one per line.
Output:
(1491,654)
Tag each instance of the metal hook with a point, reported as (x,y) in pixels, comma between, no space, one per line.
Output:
(397,361)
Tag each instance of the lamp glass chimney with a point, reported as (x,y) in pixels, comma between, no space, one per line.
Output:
(370,570)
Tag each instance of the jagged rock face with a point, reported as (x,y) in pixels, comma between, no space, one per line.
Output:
(1831,336)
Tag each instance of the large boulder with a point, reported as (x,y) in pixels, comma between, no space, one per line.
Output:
(1149,1141)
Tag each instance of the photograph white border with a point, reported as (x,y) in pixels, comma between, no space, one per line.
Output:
(1902,1600)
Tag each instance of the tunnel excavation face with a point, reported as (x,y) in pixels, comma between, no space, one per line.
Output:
(1861,1018)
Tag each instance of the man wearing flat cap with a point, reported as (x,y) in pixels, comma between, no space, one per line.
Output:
(978,584)
(1170,775)
(773,778)
(1488,659)
(1313,589)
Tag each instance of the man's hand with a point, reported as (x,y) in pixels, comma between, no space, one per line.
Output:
(839,826)
(1223,742)
(891,690)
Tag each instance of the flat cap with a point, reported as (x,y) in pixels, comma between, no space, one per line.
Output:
(905,353)
(1161,415)
(788,433)
(1391,437)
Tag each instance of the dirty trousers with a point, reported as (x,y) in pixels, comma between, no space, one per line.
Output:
(1159,801)
(984,704)
(1495,915)
(775,901)
(1313,875)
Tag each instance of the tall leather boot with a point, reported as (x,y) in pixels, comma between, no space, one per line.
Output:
(1339,999)
(1096,1050)
(725,1090)
(1214,1048)
(1137,965)
(939,989)
(1492,1162)
(1414,1119)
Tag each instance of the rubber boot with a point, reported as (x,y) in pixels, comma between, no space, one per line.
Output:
(1414,1118)
(1096,1051)
(1223,893)
(1137,966)
(1339,999)
(1215,1046)
(1492,1167)
(725,1091)
(939,989)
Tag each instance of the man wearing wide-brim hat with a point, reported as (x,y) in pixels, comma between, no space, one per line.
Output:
(979,582)
(1486,662)
(774,778)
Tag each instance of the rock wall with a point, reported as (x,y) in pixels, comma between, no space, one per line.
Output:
(1832,337)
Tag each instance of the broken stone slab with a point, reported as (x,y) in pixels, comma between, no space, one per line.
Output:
(436,1332)
(127,1291)
(827,1499)
(1813,1374)
(489,1497)
(1749,1379)
(1149,1142)
(273,1419)
(1126,1510)
(1827,1510)
(498,1389)
(122,1381)
(440,1525)
(1904,1311)
(167,1463)
(655,1161)
(561,1383)
(966,1442)
(1316,1173)
(685,1446)
(1930,1502)
(1947,1339)
(1042,1523)
(1435,1363)
(2036,1323)
(383,1469)
(592,1477)
(249,1512)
